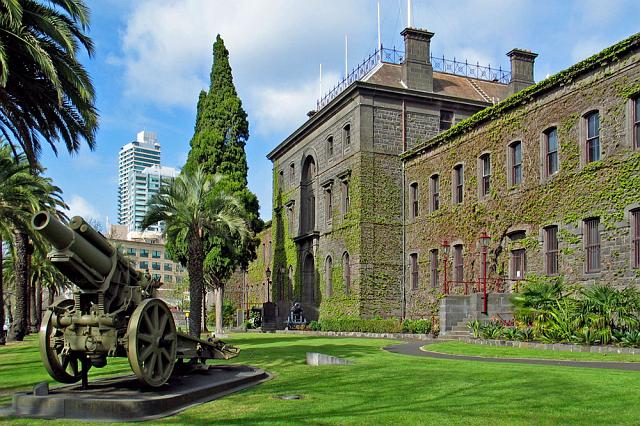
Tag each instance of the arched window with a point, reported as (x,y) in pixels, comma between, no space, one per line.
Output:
(592,136)
(308,205)
(435,192)
(414,200)
(347,135)
(346,272)
(551,165)
(515,163)
(330,146)
(290,282)
(328,269)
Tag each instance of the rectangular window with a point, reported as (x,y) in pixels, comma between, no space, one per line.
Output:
(330,146)
(131,251)
(144,253)
(593,137)
(347,135)
(280,180)
(155,266)
(414,200)
(635,237)
(516,163)
(458,263)
(328,205)
(485,187)
(168,278)
(292,174)
(414,271)
(551,250)
(291,219)
(156,254)
(551,145)
(636,122)
(446,120)
(144,265)
(434,268)
(345,197)
(435,192)
(458,184)
(167,266)
(518,264)
(592,244)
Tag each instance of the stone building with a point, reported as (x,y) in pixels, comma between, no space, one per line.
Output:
(338,179)
(407,155)
(552,175)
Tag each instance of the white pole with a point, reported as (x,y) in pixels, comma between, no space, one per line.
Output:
(408,13)
(346,48)
(379,39)
(320,80)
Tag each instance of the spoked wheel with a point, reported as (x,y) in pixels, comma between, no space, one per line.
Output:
(152,342)
(65,368)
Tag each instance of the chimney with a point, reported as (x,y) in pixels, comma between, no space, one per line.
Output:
(521,69)
(417,72)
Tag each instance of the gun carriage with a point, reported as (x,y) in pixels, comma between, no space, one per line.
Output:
(113,312)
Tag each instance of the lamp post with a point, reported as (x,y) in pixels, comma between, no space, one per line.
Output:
(268,275)
(445,248)
(484,242)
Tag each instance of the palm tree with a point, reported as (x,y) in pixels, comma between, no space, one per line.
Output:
(16,203)
(194,207)
(21,194)
(45,93)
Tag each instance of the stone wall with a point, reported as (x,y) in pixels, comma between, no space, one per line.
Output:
(606,189)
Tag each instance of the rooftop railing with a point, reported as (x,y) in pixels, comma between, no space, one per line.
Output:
(394,56)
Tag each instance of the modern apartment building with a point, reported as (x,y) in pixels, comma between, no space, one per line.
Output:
(133,159)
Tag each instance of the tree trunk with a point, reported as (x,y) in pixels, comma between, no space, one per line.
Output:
(20,318)
(194,265)
(219,291)
(38,309)
(204,310)
(33,314)
(2,331)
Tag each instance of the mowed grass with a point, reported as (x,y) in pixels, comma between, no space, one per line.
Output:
(461,348)
(385,388)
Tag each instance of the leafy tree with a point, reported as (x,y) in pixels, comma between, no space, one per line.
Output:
(45,93)
(220,135)
(194,207)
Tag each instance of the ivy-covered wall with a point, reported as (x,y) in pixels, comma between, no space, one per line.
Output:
(606,189)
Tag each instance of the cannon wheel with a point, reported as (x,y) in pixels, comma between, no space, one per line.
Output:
(63,368)
(152,342)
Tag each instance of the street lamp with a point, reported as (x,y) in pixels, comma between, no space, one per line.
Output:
(445,248)
(484,243)
(268,275)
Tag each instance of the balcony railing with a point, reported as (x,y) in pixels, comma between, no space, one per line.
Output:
(394,56)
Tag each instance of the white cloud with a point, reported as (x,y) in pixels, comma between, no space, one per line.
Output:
(167,44)
(79,206)
(284,108)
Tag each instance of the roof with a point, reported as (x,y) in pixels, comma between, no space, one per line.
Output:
(443,84)
(611,54)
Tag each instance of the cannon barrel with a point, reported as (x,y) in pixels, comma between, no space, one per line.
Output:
(84,263)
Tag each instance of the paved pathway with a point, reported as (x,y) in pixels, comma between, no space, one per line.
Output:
(413,348)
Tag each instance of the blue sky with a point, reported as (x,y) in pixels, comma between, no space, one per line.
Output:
(154,56)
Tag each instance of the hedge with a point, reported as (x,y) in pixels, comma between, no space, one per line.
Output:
(362,325)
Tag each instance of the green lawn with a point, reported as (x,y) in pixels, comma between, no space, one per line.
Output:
(384,388)
(461,348)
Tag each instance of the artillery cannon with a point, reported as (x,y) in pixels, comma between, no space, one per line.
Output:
(113,312)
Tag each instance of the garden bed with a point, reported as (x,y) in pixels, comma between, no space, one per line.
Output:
(561,347)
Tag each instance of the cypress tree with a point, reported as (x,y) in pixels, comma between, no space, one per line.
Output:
(221,132)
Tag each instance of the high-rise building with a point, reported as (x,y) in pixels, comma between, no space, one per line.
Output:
(140,177)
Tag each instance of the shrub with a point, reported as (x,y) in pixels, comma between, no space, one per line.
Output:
(492,330)
(314,326)
(475,326)
(361,325)
(419,326)
(510,333)
(631,339)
